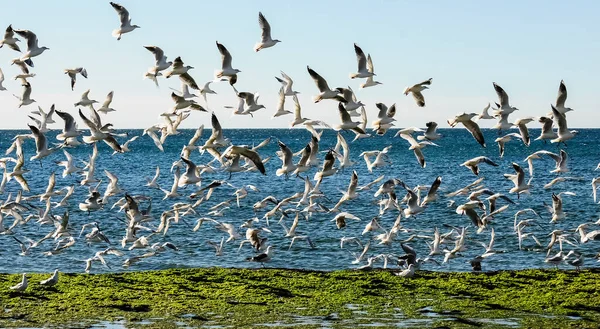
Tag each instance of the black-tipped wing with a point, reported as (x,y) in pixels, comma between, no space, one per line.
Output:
(321,83)
(502,95)
(474,129)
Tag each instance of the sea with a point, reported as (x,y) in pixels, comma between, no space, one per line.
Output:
(456,146)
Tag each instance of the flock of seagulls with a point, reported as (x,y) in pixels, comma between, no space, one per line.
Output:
(140,225)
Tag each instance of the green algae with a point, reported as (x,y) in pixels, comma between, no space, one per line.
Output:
(250,298)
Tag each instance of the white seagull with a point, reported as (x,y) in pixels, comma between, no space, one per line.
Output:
(72,73)
(226,69)
(126,26)
(363,72)
(324,91)
(265,39)
(416,91)
(32,44)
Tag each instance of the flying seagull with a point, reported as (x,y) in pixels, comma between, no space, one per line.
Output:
(126,26)
(416,91)
(73,74)
(265,39)
(363,72)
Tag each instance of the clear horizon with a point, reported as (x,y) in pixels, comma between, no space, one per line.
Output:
(527,48)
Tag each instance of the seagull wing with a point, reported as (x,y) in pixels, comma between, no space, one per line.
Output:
(360,58)
(225,56)
(123,13)
(321,83)
(562,95)
(265,27)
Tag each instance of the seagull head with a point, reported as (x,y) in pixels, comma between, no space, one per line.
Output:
(406,90)
(136,26)
(276,41)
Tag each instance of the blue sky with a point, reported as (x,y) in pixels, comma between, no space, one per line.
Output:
(525,46)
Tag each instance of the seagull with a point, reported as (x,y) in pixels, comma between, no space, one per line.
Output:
(178,68)
(560,180)
(351,103)
(416,147)
(226,69)
(385,118)
(324,91)
(518,180)
(328,169)
(280,105)
(473,164)
(471,126)
(85,101)
(349,194)
(561,160)
(218,246)
(32,45)
(504,107)
(41,144)
(413,205)
(287,84)
(96,134)
(432,193)
(26,95)
(247,153)
(557,206)
(564,134)
(21,286)
(370,82)
(505,139)
(251,102)
(73,74)
(265,40)
(70,127)
(547,132)
(362,64)
(347,123)
(10,40)
(430,134)
(262,258)
(407,273)
(522,125)
(105,108)
(556,259)
(340,219)
(287,165)
(52,280)
(206,90)
(126,26)
(181,103)
(484,114)
(562,98)
(416,91)
(160,59)
(152,75)
(589,236)
(216,138)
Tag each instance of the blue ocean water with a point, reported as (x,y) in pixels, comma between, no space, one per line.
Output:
(456,146)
